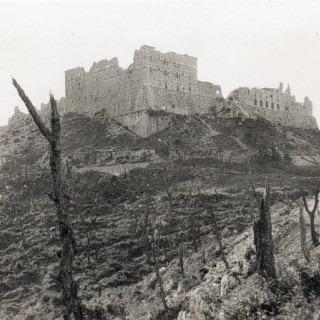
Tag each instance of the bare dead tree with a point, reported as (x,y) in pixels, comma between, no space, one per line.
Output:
(217,233)
(181,254)
(69,288)
(312,214)
(155,253)
(145,227)
(262,229)
(303,238)
(166,179)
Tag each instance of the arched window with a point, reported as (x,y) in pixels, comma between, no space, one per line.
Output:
(266,104)
(255,102)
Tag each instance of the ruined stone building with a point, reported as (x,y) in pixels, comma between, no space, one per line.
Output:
(275,105)
(154,82)
(157,84)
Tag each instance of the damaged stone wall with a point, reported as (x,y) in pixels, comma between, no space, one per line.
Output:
(155,81)
(274,105)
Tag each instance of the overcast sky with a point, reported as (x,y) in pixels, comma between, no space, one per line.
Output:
(237,43)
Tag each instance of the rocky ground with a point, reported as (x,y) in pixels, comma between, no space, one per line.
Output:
(206,165)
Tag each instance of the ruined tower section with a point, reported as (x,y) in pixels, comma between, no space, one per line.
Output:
(172,82)
(105,86)
(275,105)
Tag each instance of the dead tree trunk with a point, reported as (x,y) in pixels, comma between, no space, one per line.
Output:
(312,215)
(181,258)
(263,240)
(155,254)
(217,234)
(69,288)
(303,239)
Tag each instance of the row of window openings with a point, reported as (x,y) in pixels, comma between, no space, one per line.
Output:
(164,61)
(79,85)
(271,95)
(267,104)
(177,75)
(178,88)
(166,87)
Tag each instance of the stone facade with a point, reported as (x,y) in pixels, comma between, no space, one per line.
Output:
(154,81)
(168,83)
(275,105)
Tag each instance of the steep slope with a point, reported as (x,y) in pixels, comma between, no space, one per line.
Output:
(202,167)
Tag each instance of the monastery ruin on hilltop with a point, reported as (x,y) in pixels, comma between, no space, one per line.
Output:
(155,81)
(156,85)
(168,82)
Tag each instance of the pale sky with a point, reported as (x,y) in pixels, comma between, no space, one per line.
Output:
(237,43)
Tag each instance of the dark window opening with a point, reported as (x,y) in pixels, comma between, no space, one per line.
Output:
(272,105)
(261,103)
(266,104)
(255,102)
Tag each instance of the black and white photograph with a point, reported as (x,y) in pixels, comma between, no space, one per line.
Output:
(160,160)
